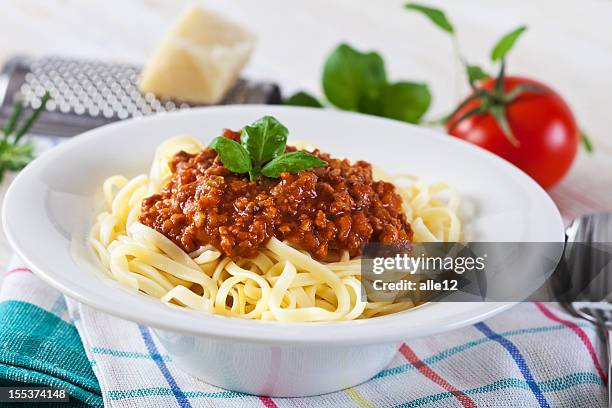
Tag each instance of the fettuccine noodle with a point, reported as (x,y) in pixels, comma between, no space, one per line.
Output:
(281,283)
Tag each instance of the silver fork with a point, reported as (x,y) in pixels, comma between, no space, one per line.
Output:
(591,270)
(604,322)
(601,315)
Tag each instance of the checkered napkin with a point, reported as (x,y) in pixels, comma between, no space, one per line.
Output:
(534,355)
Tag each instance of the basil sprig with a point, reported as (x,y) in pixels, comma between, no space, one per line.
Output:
(357,81)
(262,151)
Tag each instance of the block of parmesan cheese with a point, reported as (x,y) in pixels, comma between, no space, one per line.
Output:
(199,59)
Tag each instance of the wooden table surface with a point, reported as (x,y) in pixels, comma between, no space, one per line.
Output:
(568,45)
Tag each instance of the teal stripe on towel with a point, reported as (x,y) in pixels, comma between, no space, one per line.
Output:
(154,391)
(125,354)
(49,352)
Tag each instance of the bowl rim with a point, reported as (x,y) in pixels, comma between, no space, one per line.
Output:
(381,329)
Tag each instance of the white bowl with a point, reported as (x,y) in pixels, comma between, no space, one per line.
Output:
(50,207)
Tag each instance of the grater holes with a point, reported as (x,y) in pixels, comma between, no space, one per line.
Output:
(74,101)
(92,88)
(93,111)
(114,86)
(25,89)
(96,97)
(64,107)
(120,95)
(35,103)
(135,95)
(126,84)
(155,104)
(77,89)
(108,112)
(58,100)
(39,91)
(51,105)
(126,100)
(83,97)
(141,102)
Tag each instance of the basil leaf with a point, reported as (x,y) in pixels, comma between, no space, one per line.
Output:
(353,80)
(293,162)
(436,16)
(234,157)
(506,43)
(475,73)
(406,101)
(264,139)
(303,99)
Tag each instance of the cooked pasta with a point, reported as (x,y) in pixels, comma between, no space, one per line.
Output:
(281,282)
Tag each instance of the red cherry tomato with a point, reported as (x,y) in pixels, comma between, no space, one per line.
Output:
(541,122)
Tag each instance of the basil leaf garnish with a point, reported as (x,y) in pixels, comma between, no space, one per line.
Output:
(293,162)
(262,151)
(264,139)
(234,157)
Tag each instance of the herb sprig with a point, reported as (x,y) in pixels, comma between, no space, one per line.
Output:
(474,73)
(493,102)
(13,154)
(357,81)
(261,151)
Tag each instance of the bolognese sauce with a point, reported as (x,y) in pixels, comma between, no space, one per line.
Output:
(321,210)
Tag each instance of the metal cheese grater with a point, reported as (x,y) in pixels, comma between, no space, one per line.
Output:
(88,93)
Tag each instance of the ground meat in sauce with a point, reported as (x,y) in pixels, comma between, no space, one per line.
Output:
(338,207)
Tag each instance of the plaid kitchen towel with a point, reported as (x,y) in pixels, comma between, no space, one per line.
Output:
(38,343)
(534,355)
